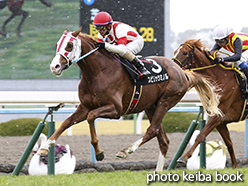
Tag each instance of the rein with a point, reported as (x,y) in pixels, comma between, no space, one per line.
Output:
(85,55)
(90,52)
(190,57)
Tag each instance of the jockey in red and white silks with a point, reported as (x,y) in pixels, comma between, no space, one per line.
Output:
(120,38)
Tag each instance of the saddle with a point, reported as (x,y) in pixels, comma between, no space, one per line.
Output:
(242,82)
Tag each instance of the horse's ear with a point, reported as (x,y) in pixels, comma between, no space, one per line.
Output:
(66,30)
(198,43)
(198,40)
(75,33)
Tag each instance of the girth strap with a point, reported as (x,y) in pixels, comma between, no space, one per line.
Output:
(137,91)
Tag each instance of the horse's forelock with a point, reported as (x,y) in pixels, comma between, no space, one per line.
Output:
(198,43)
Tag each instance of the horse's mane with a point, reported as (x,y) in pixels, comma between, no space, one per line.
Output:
(88,37)
(198,43)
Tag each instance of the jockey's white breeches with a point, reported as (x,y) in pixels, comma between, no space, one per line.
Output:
(134,47)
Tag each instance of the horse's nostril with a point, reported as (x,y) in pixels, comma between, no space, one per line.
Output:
(57,66)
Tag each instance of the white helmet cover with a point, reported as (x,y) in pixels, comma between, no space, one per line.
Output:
(220,32)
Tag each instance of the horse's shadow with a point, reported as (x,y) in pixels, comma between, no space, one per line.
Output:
(15,7)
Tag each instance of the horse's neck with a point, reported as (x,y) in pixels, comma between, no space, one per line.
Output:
(97,63)
(90,65)
(204,62)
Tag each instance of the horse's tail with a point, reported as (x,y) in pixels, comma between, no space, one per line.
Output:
(208,94)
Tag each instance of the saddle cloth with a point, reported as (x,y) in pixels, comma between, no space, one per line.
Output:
(158,71)
(158,74)
(242,85)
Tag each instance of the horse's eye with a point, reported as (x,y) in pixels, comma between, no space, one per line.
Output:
(185,53)
(70,46)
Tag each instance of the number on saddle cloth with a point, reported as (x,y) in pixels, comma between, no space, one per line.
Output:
(158,71)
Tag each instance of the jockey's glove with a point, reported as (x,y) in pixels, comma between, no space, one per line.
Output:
(218,60)
(100,45)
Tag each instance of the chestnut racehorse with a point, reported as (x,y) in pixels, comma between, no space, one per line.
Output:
(15,7)
(106,89)
(193,55)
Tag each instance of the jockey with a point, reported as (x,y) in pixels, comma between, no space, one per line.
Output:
(120,38)
(236,43)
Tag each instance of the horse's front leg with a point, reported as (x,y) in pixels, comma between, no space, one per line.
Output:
(224,132)
(24,16)
(212,123)
(107,111)
(5,23)
(79,115)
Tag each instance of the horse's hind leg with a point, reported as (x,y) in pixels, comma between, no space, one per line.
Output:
(223,130)
(162,139)
(130,149)
(134,146)
(24,16)
(163,142)
(5,23)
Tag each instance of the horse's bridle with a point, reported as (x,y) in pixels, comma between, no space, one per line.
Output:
(76,51)
(191,56)
(189,60)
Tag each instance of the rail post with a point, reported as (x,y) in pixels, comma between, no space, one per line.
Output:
(29,147)
(186,139)
(202,124)
(51,154)
(51,130)
(183,145)
(135,123)
(33,140)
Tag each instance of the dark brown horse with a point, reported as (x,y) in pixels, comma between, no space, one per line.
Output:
(15,7)
(106,90)
(193,55)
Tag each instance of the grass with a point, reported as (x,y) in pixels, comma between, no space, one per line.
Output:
(29,57)
(21,127)
(120,178)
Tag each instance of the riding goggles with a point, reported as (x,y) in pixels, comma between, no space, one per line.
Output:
(220,40)
(101,27)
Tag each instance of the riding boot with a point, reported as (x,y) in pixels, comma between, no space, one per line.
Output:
(245,71)
(141,67)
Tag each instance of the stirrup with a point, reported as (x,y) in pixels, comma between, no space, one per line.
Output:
(144,73)
(246,83)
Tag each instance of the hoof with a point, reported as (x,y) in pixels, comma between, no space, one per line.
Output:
(99,157)
(182,160)
(121,154)
(43,152)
